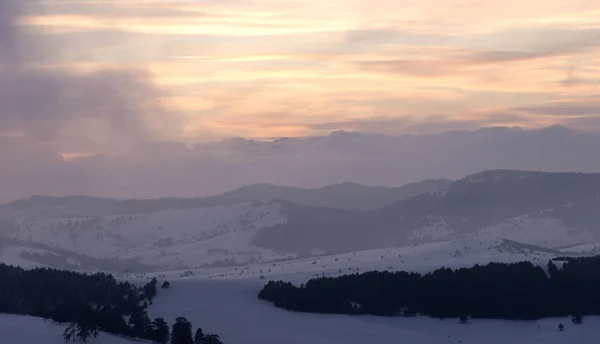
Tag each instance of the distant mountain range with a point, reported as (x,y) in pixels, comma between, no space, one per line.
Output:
(155,170)
(262,222)
(500,203)
(349,196)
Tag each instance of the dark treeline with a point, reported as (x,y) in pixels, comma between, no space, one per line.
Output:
(88,303)
(497,290)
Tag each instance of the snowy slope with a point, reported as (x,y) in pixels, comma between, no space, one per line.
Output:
(27,330)
(539,229)
(419,258)
(166,239)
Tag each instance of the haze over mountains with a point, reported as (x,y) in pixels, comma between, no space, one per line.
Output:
(173,170)
(265,223)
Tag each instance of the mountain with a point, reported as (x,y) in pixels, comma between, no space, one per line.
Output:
(552,212)
(546,209)
(82,232)
(157,170)
(350,196)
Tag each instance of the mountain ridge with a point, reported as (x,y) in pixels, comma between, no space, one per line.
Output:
(547,210)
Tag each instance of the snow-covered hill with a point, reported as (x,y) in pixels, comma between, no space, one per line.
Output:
(548,210)
(164,239)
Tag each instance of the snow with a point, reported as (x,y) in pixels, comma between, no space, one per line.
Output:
(224,301)
(538,229)
(231,309)
(168,239)
(418,258)
(11,255)
(21,329)
(437,229)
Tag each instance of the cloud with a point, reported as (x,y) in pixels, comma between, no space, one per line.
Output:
(171,169)
(420,124)
(569,108)
(112,108)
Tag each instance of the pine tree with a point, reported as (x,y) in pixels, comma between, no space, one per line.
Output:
(140,323)
(83,333)
(70,333)
(160,331)
(198,336)
(181,332)
(211,339)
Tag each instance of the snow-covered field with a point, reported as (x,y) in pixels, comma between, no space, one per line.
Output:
(27,330)
(224,301)
(418,258)
(231,309)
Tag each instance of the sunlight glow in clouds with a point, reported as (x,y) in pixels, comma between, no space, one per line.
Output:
(261,68)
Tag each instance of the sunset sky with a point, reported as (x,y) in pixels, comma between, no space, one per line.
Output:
(202,70)
(132,98)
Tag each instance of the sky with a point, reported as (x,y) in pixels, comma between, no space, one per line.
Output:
(97,79)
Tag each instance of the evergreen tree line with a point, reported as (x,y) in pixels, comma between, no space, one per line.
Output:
(157,331)
(496,291)
(88,303)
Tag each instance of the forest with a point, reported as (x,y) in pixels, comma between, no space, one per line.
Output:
(495,291)
(90,304)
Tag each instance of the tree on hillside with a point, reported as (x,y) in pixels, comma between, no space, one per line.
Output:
(211,339)
(150,289)
(140,323)
(198,336)
(160,331)
(166,285)
(182,332)
(70,333)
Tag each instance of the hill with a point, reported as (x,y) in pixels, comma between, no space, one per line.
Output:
(546,209)
(349,196)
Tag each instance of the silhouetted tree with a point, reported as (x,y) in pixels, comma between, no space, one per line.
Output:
(211,339)
(181,332)
(70,333)
(160,331)
(198,336)
(150,289)
(496,290)
(140,323)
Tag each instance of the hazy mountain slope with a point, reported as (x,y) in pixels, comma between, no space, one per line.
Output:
(548,210)
(343,196)
(349,196)
(499,203)
(162,239)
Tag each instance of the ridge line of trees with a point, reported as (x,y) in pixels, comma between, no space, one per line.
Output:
(495,291)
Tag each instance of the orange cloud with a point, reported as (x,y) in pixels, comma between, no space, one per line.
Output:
(261,67)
